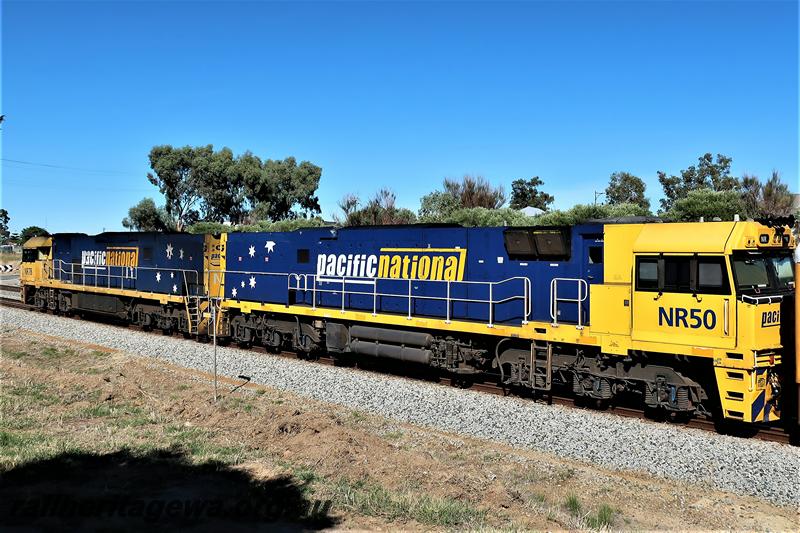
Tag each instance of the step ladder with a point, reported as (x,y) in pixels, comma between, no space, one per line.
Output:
(193,313)
(541,366)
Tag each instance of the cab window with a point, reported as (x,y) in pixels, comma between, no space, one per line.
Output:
(712,276)
(29,255)
(677,274)
(682,274)
(647,274)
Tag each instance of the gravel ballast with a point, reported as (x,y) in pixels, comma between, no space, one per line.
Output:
(764,469)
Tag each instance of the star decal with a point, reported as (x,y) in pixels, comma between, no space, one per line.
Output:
(233,292)
(172,275)
(252,251)
(252,282)
(174,288)
(169,251)
(158,277)
(270,246)
(243,284)
(180,253)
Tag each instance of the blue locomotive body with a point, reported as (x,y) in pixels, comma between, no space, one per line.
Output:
(165,263)
(480,274)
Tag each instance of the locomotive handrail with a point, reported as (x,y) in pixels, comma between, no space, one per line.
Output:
(583,293)
(757,300)
(59,272)
(311,282)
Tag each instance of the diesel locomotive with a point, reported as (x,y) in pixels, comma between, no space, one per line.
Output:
(681,318)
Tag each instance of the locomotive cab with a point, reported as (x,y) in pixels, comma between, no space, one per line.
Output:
(713,291)
(36,256)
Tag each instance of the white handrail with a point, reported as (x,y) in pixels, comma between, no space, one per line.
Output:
(59,272)
(312,282)
(583,293)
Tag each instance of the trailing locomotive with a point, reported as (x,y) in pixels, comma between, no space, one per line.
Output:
(688,318)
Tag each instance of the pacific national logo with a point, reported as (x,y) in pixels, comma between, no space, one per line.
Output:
(112,257)
(439,264)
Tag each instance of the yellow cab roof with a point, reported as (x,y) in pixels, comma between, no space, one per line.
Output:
(38,242)
(707,237)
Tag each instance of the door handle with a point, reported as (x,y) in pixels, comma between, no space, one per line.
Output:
(725,318)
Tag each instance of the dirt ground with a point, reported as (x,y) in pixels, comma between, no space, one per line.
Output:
(91,437)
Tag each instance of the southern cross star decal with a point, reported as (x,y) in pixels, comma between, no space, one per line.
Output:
(158,277)
(270,246)
(252,282)
(252,251)
(233,292)
(172,275)
(180,253)
(174,288)
(243,284)
(169,250)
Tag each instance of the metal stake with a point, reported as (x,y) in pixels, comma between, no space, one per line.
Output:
(214,334)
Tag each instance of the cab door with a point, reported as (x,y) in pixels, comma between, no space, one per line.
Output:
(683,299)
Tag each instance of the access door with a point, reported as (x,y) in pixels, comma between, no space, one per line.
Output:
(683,299)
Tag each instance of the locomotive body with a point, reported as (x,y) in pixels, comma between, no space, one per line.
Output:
(687,318)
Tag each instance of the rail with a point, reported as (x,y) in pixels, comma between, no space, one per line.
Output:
(583,292)
(312,283)
(757,300)
(102,276)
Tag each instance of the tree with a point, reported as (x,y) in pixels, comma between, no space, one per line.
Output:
(776,199)
(764,200)
(475,191)
(708,174)
(145,216)
(707,204)
(625,188)
(526,193)
(4,219)
(175,176)
(581,213)
(470,192)
(32,231)
(279,189)
(751,189)
(437,206)
(219,185)
(380,210)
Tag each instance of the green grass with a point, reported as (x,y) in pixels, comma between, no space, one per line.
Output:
(14,354)
(374,500)
(53,353)
(357,416)
(573,505)
(30,392)
(603,518)
(238,404)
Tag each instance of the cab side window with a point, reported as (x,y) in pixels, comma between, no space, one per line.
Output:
(682,274)
(677,274)
(712,276)
(29,255)
(647,274)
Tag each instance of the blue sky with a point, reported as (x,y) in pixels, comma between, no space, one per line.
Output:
(388,94)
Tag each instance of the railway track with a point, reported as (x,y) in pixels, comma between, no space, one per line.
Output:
(762,433)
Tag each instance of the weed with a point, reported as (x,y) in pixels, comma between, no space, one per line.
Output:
(393,435)
(573,505)
(98,353)
(14,354)
(32,392)
(603,518)
(373,500)
(182,386)
(358,416)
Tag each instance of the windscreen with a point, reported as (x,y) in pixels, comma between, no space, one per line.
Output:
(758,273)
